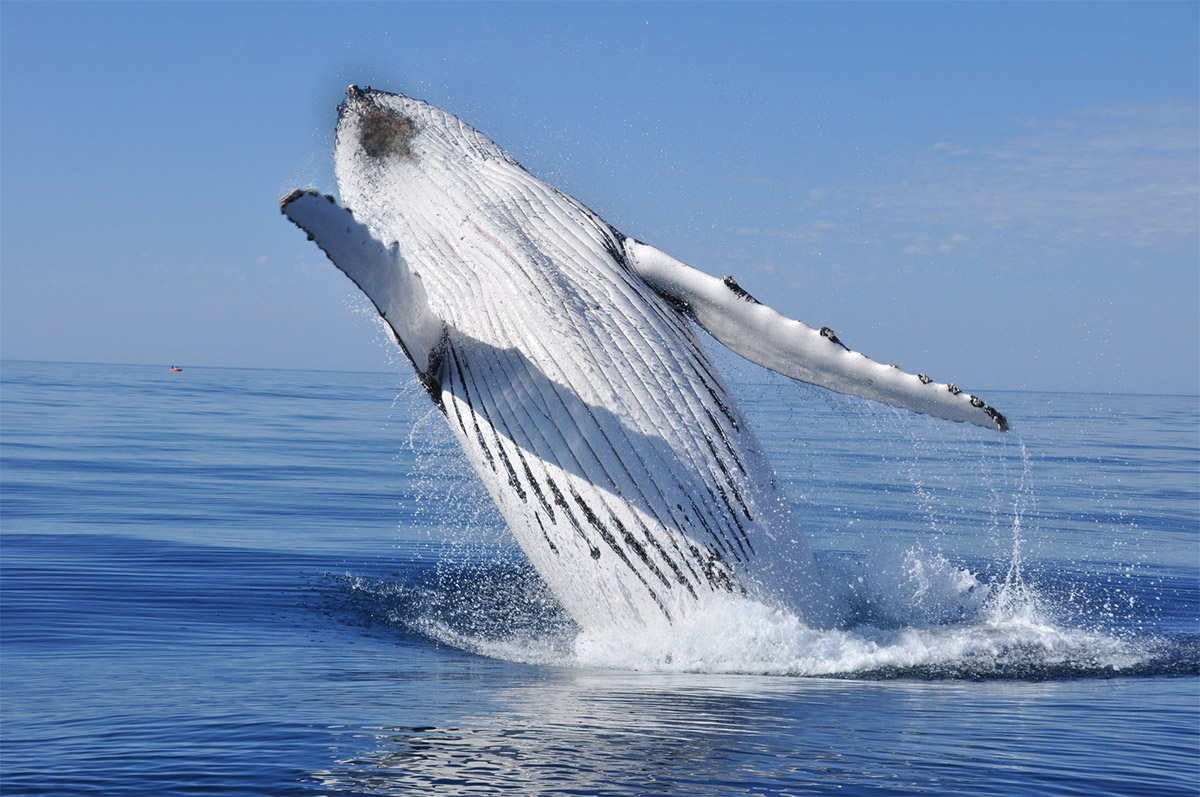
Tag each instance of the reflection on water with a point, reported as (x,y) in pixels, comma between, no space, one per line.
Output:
(586,732)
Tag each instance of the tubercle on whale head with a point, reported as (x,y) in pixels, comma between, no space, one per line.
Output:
(354,96)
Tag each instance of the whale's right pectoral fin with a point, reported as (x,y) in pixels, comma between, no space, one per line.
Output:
(794,349)
(378,270)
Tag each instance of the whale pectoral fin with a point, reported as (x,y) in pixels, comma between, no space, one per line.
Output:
(378,270)
(762,335)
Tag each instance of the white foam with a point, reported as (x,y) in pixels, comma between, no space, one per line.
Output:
(937,619)
(742,636)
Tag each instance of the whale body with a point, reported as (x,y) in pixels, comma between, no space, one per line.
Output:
(563,356)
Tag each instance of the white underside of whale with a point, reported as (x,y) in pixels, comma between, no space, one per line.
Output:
(563,357)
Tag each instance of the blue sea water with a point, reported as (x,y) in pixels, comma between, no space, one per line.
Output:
(227,581)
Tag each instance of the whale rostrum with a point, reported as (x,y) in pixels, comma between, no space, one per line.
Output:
(563,356)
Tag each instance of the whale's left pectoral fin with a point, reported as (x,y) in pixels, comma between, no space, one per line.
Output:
(762,335)
(377,269)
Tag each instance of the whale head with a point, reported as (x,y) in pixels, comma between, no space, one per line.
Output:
(384,128)
(391,138)
(379,130)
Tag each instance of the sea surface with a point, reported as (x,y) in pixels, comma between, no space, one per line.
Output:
(264,582)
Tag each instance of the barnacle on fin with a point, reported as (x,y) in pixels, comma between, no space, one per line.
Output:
(738,290)
(826,332)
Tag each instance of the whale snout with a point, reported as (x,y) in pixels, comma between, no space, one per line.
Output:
(382,130)
(356,100)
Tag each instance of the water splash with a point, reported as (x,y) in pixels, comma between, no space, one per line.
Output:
(1003,631)
(931,566)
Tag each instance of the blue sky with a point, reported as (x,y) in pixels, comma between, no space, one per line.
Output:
(1000,194)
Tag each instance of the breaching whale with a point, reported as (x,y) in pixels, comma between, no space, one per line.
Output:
(563,357)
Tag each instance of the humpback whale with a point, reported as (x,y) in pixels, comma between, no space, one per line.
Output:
(563,356)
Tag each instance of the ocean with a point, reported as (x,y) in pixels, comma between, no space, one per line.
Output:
(268,582)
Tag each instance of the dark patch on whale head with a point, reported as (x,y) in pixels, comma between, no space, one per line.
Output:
(383,132)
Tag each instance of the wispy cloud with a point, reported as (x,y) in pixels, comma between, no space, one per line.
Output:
(1126,177)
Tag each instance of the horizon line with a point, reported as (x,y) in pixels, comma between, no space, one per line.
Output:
(398,372)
